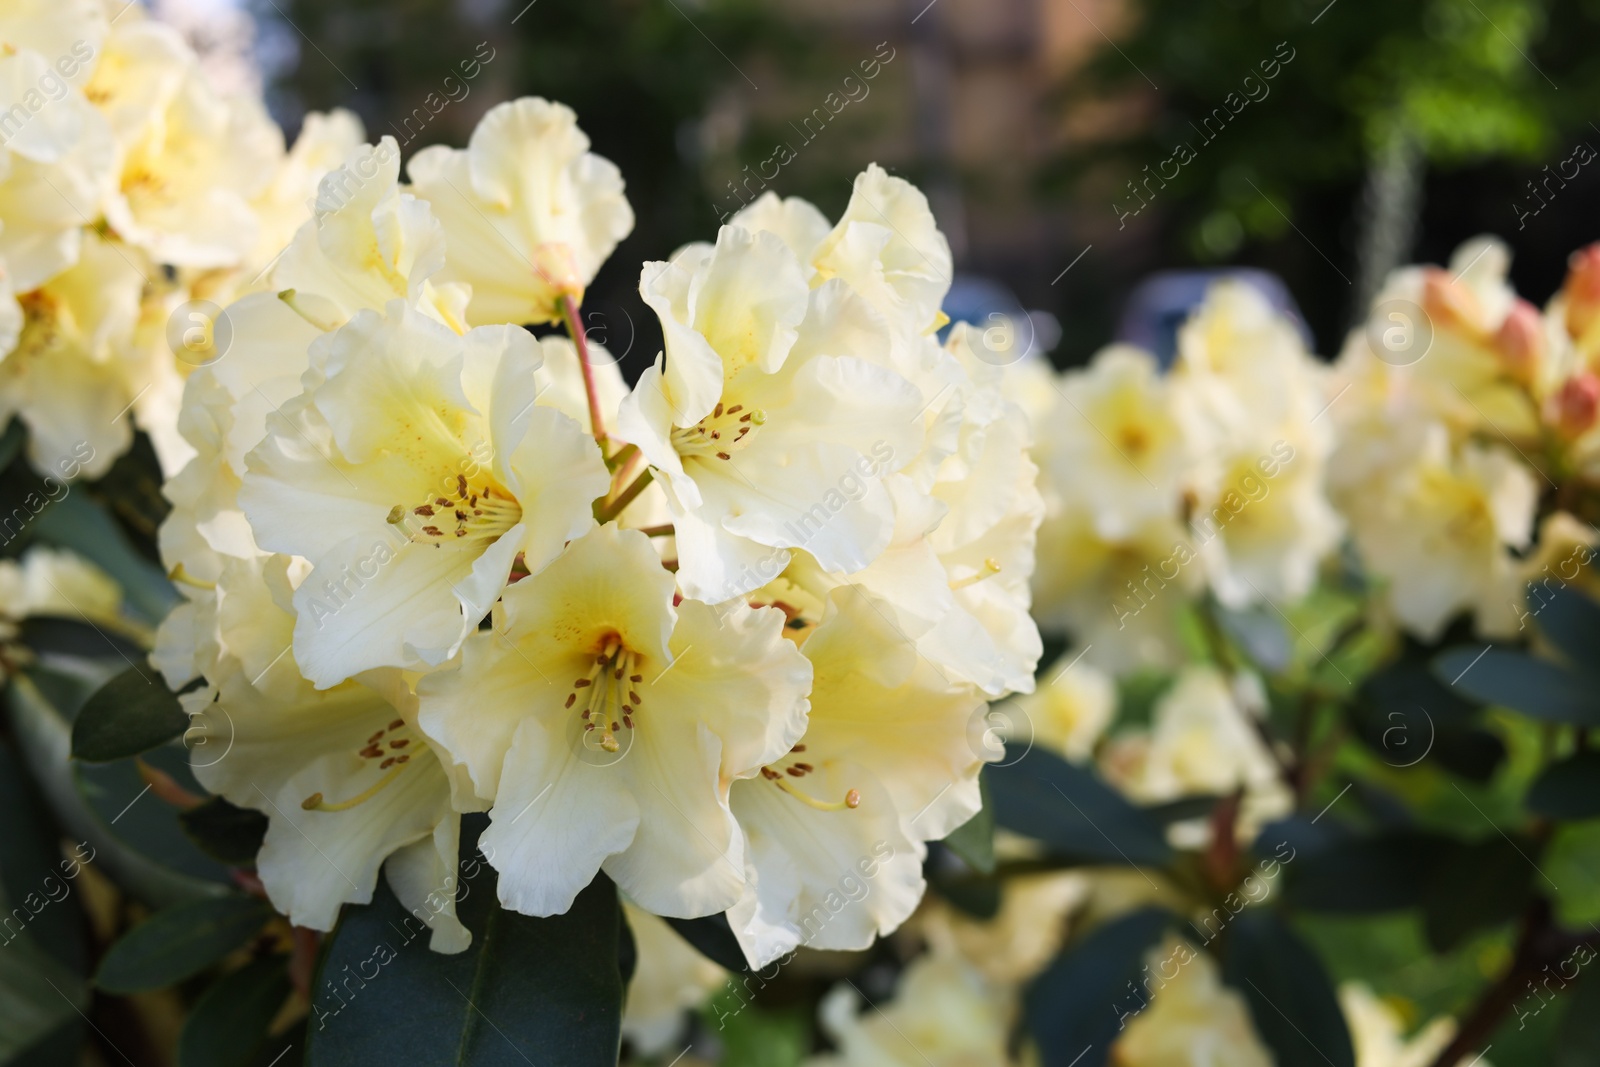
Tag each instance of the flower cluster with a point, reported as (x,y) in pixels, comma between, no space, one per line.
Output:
(1458,408)
(1161,486)
(722,636)
(136,198)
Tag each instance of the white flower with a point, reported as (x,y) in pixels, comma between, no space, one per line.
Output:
(606,727)
(670,979)
(766,416)
(1068,713)
(944,1014)
(836,827)
(1378,1032)
(530,212)
(1193,1019)
(326,141)
(414,470)
(347,782)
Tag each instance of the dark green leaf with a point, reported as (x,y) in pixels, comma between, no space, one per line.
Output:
(1291,998)
(1537,688)
(1181,810)
(76,522)
(973,841)
(11,441)
(230,834)
(1044,797)
(129,715)
(37,995)
(228,1024)
(544,991)
(1571,621)
(1473,753)
(752,1036)
(714,938)
(1568,789)
(75,636)
(34,875)
(1476,885)
(1578,1037)
(1260,634)
(954,879)
(180,941)
(1383,872)
(1079,1004)
(120,796)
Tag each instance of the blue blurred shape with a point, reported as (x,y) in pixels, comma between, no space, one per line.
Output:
(1161,304)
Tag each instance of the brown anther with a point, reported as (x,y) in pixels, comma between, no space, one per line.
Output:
(769,774)
(571,699)
(386,764)
(311,802)
(722,455)
(633,698)
(798,748)
(461,486)
(403,759)
(397,724)
(581,682)
(804,768)
(795,772)
(716,412)
(402,743)
(736,409)
(442,502)
(461,516)
(433,531)
(626,721)
(425,510)
(635,677)
(461,533)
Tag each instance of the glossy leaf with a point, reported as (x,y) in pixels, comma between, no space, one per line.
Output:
(1537,688)
(973,841)
(1577,1041)
(228,833)
(1475,886)
(1381,872)
(129,715)
(228,1024)
(528,990)
(1079,1004)
(1571,620)
(713,937)
(1046,798)
(37,995)
(1291,998)
(179,942)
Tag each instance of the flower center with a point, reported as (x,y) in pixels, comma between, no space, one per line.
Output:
(390,748)
(719,434)
(799,769)
(607,698)
(464,515)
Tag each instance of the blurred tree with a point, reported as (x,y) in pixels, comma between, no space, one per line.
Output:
(1364,95)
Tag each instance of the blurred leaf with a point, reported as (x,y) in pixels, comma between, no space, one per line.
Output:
(1044,797)
(1477,885)
(973,840)
(1066,1006)
(974,893)
(1181,810)
(227,833)
(1571,620)
(1474,754)
(76,522)
(1578,1036)
(1381,872)
(32,867)
(37,995)
(1260,634)
(1291,998)
(713,937)
(129,715)
(752,1036)
(74,636)
(529,990)
(1537,688)
(100,804)
(228,1024)
(1568,789)
(1571,862)
(11,441)
(179,942)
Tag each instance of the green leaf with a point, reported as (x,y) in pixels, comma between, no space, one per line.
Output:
(1260,634)
(121,797)
(1571,621)
(180,941)
(129,715)
(1568,789)
(1477,885)
(1578,1036)
(973,840)
(714,939)
(228,1024)
(1083,998)
(757,1037)
(544,991)
(1383,872)
(11,442)
(227,833)
(1537,688)
(1291,998)
(76,522)
(34,873)
(37,995)
(1182,809)
(1044,797)
(1571,862)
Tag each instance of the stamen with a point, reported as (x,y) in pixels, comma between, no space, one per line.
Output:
(852,799)
(179,574)
(991,567)
(314,802)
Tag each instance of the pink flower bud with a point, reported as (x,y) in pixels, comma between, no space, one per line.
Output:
(1520,340)
(1582,290)
(1575,404)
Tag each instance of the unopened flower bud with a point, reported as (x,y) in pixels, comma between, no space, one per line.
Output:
(1520,340)
(1582,290)
(1574,406)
